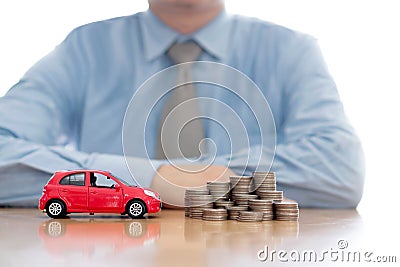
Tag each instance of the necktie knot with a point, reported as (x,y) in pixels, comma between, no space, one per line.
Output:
(184,52)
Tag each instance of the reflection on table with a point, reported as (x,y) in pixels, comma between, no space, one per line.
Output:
(166,239)
(83,237)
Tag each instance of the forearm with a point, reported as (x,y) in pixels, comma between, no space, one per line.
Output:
(26,166)
(324,170)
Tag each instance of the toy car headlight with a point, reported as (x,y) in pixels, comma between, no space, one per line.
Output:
(149,193)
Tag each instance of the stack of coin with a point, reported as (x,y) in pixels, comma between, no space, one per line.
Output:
(234,211)
(219,202)
(264,206)
(188,194)
(215,214)
(276,196)
(240,185)
(225,204)
(199,202)
(264,181)
(250,216)
(243,199)
(220,190)
(196,213)
(286,211)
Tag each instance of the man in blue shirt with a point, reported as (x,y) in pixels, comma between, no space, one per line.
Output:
(68,110)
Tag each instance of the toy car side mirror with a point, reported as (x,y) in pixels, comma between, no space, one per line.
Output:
(117,187)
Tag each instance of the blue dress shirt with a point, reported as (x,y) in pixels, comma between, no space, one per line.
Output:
(68,110)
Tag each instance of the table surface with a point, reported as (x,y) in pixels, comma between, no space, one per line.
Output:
(29,238)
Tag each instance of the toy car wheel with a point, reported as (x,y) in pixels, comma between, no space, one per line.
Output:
(56,209)
(136,209)
(55,228)
(135,229)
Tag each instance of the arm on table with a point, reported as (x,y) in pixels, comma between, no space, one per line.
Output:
(318,158)
(39,116)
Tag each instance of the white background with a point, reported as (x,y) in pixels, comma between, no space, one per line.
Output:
(360,40)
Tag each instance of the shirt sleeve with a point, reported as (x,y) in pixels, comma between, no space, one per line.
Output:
(318,158)
(26,166)
(38,121)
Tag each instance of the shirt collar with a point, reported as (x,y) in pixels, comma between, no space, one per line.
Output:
(158,37)
(214,37)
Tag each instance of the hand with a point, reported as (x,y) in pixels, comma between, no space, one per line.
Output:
(172,181)
(285,199)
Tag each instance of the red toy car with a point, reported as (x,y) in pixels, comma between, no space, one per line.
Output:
(94,191)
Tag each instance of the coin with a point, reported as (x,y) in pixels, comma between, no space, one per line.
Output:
(196,213)
(271,195)
(196,200)
(235,210)
(192,192)
(240,183)
(242,199)
(264,181)
(223,204)
(250,216)
(188,194)
(260,204)
(286,211)
(215,214)
(219,190)
(244,196)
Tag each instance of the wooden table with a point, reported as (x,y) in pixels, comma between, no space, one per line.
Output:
(29,238)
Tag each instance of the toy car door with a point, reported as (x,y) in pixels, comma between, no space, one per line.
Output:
(103,196)
(73,190)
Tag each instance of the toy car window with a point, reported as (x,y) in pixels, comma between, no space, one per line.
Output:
(77,179)
(74,179)
(65,181)
(121,180)
(104,181)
